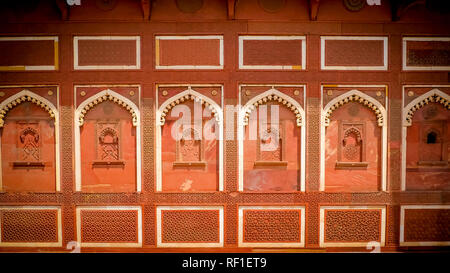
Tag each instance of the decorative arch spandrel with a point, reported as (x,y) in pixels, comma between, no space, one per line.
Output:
(271,135)
(425,138)
(29,122)
(107,139)
(189,148)
(353,138)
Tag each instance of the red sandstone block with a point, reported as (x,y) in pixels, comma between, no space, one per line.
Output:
(353,53)
(272,52)
(189,52)
(28,53)
(429,53)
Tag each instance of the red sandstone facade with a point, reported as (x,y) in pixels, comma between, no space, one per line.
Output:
(357,95)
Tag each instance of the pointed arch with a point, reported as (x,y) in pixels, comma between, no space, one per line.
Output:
(434,95)
(163,110)
(272,95)
(356,96)
(244,114)
(381,114)
(90,103)
(102,96)
(188,94)
(29,96)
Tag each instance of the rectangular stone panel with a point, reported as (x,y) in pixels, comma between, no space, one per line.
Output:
(189,52)
(426,53)
(272,52)
(186,226)
(109,226)
(352,226)
(106,52)
(30,226)
(28,53)
(425,225)
(271,226)
(354,53)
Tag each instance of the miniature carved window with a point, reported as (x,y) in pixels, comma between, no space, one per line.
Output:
(108,144)
(433,145)
(28,145)
(351,148)
(189,149)
(270,147)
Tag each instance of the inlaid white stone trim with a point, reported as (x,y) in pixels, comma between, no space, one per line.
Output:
(323,40)
(434,95)
(380,112)
(286,100)
(273,38)
(187,67)
(301,243)
(322,242)
(76,66)
(26,95)
(34,244)
(402,225)
(186,95)
(106,208)
(421,39)
(88,104)
(159,209)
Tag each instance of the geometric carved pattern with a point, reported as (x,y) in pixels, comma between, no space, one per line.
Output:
(272,139)
(352,142)
(352,225)
(28,144)
(427,225)
(108,141)
(29,225)
(189,147)
(271,226)
(190,226)
(109,226)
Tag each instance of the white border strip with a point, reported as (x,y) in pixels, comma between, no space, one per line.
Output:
(405,110)
(406,67)
(34,244)
(159,226)
(31,67)
(323,39)
(76,66)
(158,125)
(301,243)
(106,208)
(402,225)
(54,108)
(383,111)
(275,38)
(241,128)
(322,242)
(77,129)
(198,37)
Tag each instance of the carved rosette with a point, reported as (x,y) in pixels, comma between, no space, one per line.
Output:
(359,99)
(105,98)
(18,101)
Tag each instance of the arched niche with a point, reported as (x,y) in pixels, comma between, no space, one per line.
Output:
(103,149)
(355,161)
(283,161)
(29,150)
(425,138)
(196,173)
